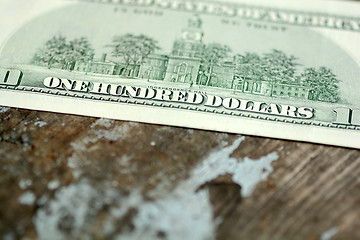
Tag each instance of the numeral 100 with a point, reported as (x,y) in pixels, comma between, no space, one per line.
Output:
(347,116)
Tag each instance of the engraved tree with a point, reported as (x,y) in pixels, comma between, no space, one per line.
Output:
(58,50)
(277,66)
(323,84)
(133,48)
(212,55)
(274,67)
(53,52)
(77,49)
(247,66)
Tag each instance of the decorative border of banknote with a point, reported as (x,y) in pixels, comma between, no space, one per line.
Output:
(174,106)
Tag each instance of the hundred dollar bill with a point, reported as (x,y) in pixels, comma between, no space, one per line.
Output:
(288,70)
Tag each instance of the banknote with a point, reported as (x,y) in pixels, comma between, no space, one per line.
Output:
(288,70)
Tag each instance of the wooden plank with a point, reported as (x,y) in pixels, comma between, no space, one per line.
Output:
(52,165)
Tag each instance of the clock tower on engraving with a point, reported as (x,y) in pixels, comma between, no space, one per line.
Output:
(189,44)
(185,58)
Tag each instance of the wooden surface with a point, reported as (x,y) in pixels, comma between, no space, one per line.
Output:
(71,173)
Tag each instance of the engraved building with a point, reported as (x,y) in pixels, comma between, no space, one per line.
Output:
(184,65)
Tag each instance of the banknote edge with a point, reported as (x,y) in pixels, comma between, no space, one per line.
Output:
(170,116)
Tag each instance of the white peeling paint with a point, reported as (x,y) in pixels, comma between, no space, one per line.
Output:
(27,198)
(250,172)
(246,172)
(43,199)
(40,123)
(182,213)
(103,122)
(53,184)
(24,183)
(217,163)
(187,214)
(4,109)
(9,236)
(116,133)
(327,235)
(73,205)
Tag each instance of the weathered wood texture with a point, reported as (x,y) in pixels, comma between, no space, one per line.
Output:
(312,188)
